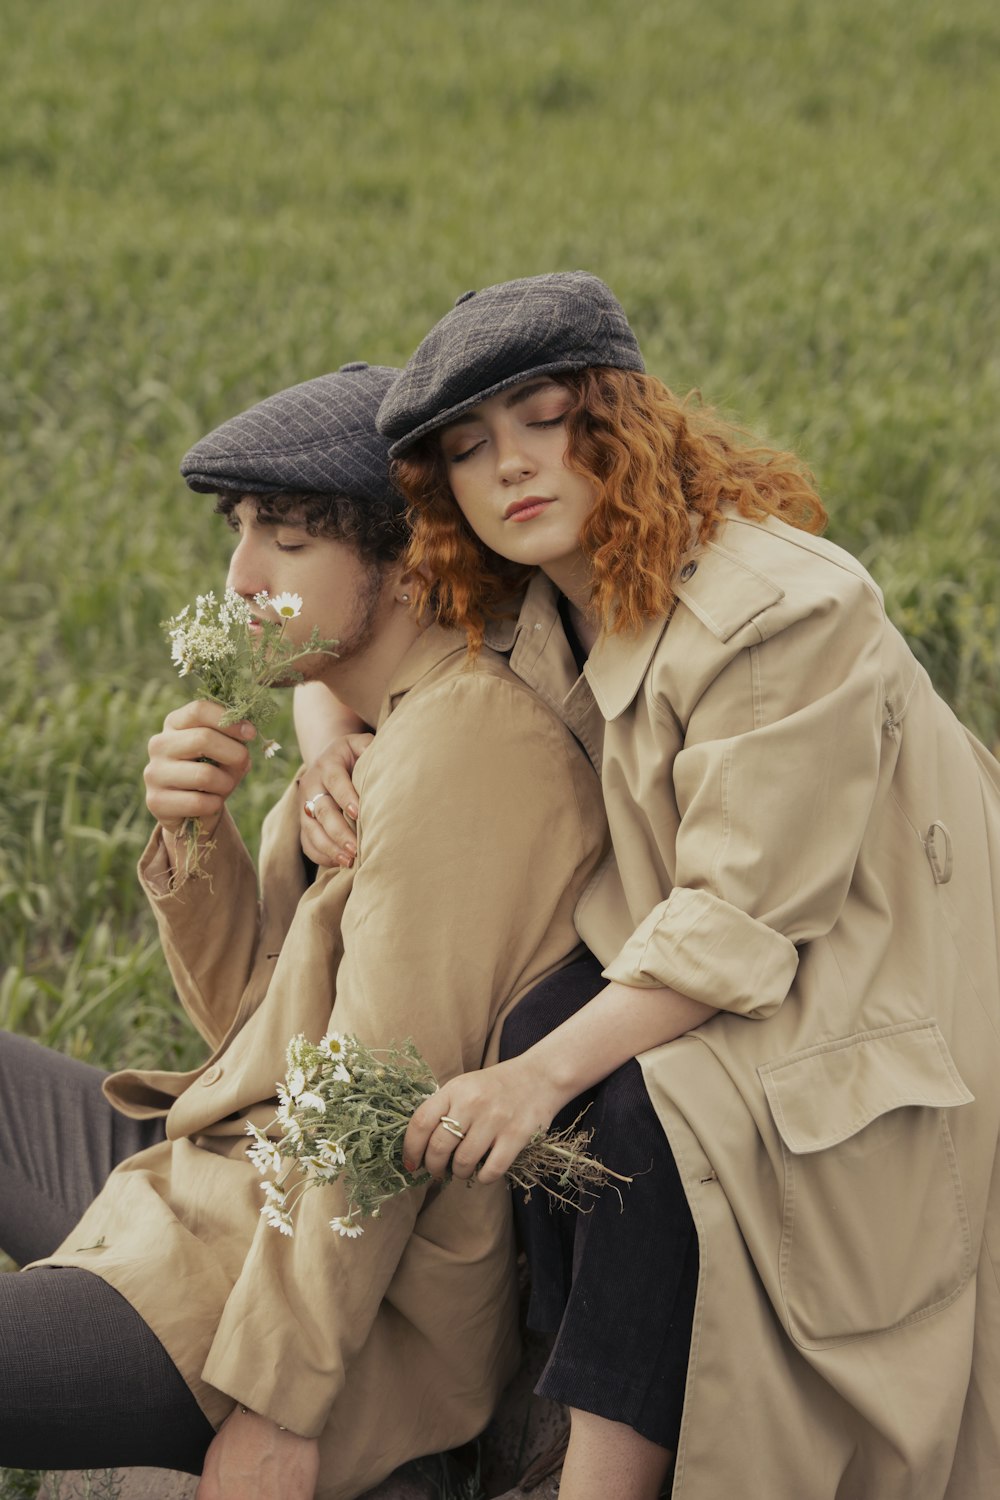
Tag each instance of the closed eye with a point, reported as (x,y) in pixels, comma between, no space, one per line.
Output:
(464,453)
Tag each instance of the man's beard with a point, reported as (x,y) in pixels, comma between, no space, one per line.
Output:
(358,636)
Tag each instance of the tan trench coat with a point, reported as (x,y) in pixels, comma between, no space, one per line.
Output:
(481,823)
(806,837)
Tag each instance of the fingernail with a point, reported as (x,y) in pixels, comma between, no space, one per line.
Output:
(350,849)
(345,861)
(409,1167)
(247,731)
(352,810)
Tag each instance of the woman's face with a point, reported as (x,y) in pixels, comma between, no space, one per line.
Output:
(505,461)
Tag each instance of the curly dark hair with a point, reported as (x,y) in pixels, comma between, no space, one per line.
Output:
(377,529)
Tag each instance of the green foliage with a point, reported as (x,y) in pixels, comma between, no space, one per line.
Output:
(19,1484)
(202,203)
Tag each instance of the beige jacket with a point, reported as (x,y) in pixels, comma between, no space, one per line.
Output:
(481,824)
(806,837)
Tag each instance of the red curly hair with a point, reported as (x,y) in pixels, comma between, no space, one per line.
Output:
(657,460)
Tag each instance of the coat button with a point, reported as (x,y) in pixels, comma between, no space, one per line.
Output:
(211,1075)
(688,571)
(937,847)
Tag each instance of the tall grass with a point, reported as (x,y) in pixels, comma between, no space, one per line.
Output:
(797,203)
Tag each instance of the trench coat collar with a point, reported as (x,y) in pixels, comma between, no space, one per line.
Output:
(432,646)
(539,653)
(717,586)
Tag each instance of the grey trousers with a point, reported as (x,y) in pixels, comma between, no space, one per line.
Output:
(84,1382)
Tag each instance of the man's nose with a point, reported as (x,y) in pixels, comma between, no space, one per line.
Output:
(244,576)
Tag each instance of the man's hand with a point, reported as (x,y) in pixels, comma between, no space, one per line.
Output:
(194,766)
(251,1458)
(327,837)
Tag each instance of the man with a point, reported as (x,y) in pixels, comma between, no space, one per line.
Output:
(322,1363)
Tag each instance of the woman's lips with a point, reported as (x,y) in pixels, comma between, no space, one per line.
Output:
(526,509)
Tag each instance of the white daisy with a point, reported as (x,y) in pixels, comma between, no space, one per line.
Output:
(296,1082)
(309,1100)
(271,747)
(288,606)
(277,1220)
(346,1229)
(331,1154)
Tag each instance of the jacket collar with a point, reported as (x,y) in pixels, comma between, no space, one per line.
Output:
(433,646)
(538,651)
(618,663)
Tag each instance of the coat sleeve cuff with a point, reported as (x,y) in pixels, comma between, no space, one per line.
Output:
(710,951)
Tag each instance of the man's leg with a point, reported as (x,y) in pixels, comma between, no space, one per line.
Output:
(59,1141)
(84,1382)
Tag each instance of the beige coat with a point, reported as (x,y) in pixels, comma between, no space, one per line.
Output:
(806,837)
(481,824)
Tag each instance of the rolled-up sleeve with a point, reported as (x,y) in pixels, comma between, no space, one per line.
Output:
(774,786)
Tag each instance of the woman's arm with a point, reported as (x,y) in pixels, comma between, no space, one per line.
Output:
(500,1108)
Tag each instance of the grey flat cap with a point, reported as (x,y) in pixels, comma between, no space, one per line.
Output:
(319,437)
(493,339)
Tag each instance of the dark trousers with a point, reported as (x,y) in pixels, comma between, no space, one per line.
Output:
(84,1382)
(617,1284)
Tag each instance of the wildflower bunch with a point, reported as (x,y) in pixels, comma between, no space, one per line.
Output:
(343,1111)
(237,657)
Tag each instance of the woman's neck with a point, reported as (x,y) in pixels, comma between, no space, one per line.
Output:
(571,577)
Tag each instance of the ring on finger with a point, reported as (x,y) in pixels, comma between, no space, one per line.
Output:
(452,1127)
(311,803)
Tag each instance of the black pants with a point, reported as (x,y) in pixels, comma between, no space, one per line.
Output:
(84,1382)
(619,1282)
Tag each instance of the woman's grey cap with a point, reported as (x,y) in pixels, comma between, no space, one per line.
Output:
(540,325)
(319,437)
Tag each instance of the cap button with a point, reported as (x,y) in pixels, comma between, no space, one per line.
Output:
(354,364)
(464,298)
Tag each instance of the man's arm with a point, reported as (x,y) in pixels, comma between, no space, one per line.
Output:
(207,921)
(481,822)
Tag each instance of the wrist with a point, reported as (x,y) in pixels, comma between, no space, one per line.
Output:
(246,1412)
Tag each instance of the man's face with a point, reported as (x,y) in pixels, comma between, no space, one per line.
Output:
(341,592)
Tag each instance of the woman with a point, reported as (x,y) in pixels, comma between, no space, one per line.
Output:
(798,929)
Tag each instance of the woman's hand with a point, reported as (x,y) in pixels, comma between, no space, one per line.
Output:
(497,1110)
(326,792)
(251,1458)
(194,766)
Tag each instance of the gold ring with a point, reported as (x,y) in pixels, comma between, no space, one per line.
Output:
(452,1127)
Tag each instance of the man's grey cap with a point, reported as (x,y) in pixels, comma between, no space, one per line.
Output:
(319,437)
(540,325)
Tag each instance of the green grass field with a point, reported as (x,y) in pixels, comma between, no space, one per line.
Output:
(797,203)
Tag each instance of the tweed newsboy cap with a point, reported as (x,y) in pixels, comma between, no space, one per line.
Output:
(493,339)
(315,438)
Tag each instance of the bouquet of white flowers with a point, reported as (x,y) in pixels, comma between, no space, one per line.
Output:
(342,1114)
(237,658)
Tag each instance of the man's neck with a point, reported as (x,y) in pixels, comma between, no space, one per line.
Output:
(363,680)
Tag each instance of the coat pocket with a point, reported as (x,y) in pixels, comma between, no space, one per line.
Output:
(875,1231)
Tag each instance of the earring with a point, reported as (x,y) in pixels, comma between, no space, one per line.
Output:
(404,598)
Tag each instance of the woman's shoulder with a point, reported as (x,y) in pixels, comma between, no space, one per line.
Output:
(769,572)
